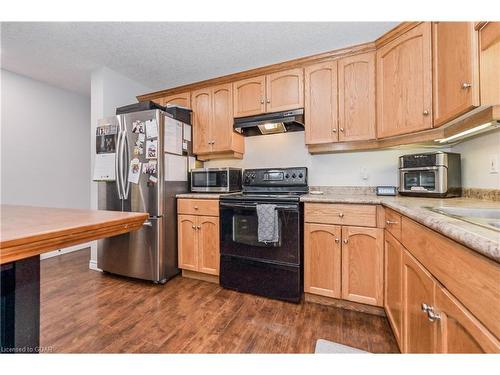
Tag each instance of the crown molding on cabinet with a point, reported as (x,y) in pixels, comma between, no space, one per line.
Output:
(296,63)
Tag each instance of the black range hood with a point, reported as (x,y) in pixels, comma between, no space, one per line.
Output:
(271,123)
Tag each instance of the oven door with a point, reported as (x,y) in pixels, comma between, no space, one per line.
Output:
(238,233)
(427,180)
(216,181)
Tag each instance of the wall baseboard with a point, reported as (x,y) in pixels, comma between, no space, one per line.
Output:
(66,250)
(93,266)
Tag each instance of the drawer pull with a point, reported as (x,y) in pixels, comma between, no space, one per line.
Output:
(389,222)
(341,215)
(195,207)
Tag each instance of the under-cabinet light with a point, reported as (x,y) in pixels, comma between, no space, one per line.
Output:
(474,130)
(271,128)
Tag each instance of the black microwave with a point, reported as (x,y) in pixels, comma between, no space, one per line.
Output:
(216,180)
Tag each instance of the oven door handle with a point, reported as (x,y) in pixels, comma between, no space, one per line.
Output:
(239,205)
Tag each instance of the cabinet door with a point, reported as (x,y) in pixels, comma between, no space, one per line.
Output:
(285,90)
(419,334)
(249,96)
(459,331)
(322,259)
(187,242)
(363,265)
(404,83)
(208,244)
(202,118)
(489,41)
(357,97)
(182,99)
(456,69)
(320,103)
(222,120)
(393,286)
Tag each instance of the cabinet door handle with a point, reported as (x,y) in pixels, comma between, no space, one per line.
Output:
(466,86)
(198,227)
(337,240)
(342,130)
(194,226)
(426,113)
(268,101)
(389,222)
(431,315)
(261,101)
(346,241)
(334,130)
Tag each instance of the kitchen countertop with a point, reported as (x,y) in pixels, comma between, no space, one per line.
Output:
(27,231)
(484,241)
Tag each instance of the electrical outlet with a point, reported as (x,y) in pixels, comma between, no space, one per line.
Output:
(364,174)
(494,163)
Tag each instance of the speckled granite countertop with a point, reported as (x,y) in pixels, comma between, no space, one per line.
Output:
(478,238)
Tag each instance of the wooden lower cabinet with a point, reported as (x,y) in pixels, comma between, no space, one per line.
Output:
(458,330)
(322,259)
(362,265)
(198,243)
(419,334)
(393,285)
(208,244)
(187,242)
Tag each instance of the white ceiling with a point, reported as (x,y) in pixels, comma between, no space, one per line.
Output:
(160,55)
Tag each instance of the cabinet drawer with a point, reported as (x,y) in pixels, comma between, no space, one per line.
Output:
(393,223)
(206,207)
(362,215)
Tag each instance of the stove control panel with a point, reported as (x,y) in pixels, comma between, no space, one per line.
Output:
(275,177)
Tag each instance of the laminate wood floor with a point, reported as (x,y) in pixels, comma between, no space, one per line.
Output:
(84,311)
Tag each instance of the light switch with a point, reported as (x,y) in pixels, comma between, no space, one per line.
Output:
(494,163)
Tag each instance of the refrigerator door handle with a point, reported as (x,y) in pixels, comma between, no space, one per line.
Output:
(125,158)
(118,166)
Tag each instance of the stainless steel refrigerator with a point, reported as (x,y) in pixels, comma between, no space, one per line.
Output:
(145,179)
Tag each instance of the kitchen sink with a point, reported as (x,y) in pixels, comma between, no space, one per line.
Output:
(485,217)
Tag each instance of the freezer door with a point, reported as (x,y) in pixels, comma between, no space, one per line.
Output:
(109,192)
(136,254)
(143,196)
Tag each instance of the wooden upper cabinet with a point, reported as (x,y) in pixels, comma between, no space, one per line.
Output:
(459,331)
(320,103)
(363,265)
(322,260)
(201,102)
(187,242)
(404,83)
(222,117)
(249,96)
(208,242)
(456,69)
(285,90)
(356,90)
(182,99)
(419,334)
(393,285)
(489,42)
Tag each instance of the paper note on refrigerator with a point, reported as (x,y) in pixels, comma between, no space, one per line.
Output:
(175,167)
(187,132)
(151,129)
(172,141)
(134,172)
(104,167)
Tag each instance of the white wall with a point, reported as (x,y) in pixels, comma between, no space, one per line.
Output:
(476,155)
(341,169)
(109,90)
(44,146)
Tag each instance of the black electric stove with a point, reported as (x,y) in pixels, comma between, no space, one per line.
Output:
(273,270)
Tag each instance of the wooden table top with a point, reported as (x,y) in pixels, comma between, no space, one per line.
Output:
(27,231)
